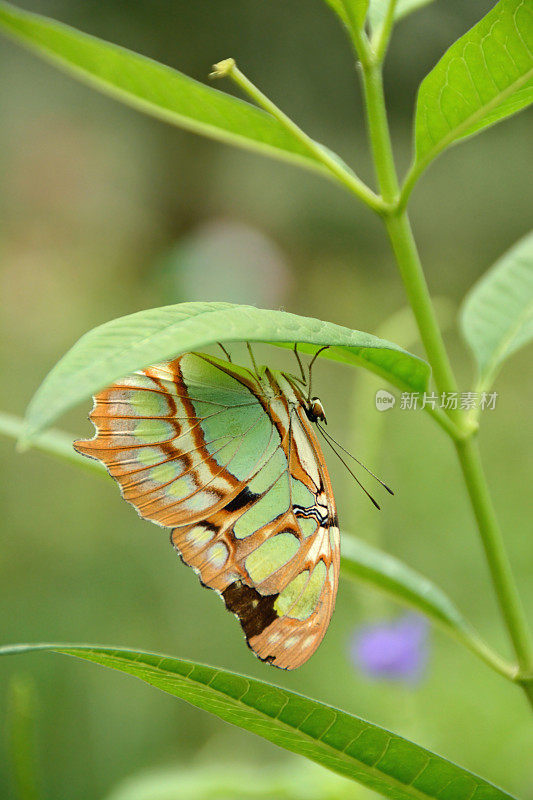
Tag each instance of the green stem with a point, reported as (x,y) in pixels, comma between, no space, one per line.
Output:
(400,234)
(378,127)
(408,260)
(406,253)
(498,562)
(447,424)
(228,68)
(476,645)
(381,39)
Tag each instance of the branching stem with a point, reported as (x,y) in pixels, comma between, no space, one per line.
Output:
(460,429)
(228,68)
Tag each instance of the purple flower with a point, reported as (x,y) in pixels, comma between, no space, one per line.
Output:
(395,650)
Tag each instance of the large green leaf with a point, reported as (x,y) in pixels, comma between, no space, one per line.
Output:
(117,348)
(378,10)
(344,743)
(387,574)
(154,88)
(485,76)
(497,315)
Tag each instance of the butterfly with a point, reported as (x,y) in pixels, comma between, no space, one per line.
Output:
(226,457)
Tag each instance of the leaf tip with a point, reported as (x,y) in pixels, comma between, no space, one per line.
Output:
(223,68)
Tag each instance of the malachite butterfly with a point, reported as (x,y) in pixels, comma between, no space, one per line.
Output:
(227,459)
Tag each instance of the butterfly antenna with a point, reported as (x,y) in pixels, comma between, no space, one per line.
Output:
(311,366)
(299,360)
(252,359)
(344,450)
(225,352)
(354,476)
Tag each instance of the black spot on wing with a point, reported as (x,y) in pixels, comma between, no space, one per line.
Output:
(242,499)
(255,611)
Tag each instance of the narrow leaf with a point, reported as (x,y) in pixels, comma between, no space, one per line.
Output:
(378,10)
(154,88)
(55,443)
(117,348)
(346,744)
(497,314)
(362,562)
(485,76)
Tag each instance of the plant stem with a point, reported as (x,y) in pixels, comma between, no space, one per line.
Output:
(399,230)
(228,68)
(378,128)
(498,562)
(381,40)
(408,260)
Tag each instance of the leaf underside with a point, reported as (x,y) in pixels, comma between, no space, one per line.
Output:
(497,315)
(378,10)
(344,743)
(123,345)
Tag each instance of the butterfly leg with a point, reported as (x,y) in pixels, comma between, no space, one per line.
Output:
(252,357)
(299,360)
(225,352)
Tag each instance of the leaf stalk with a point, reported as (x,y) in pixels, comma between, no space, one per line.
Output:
(228,68)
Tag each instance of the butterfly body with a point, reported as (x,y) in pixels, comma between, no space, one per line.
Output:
(228,460)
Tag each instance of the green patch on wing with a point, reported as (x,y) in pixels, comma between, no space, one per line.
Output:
(300,597)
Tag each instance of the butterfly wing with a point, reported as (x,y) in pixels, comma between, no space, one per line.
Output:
(198,446)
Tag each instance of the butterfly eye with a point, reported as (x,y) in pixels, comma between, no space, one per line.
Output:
(317,410)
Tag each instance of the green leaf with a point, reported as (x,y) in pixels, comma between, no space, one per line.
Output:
(123,345)
(387,574)
(155,88)
(485,76)
(378,10)
(344,743)
(497,314)
(363,562)
(55,443)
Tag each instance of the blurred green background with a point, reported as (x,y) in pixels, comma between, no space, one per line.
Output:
(105,212)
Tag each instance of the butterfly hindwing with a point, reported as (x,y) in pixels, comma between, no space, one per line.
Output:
(231,464)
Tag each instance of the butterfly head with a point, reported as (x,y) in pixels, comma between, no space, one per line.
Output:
(315,410)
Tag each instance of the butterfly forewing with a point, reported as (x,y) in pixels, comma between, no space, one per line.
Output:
(231,464)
